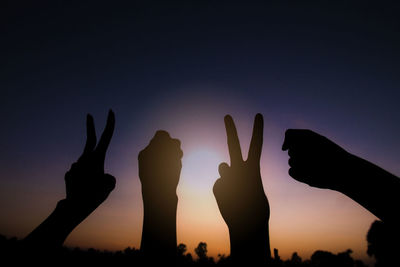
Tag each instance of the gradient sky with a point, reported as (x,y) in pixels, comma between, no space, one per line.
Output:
(330,67)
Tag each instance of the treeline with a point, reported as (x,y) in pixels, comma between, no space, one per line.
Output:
(11,251)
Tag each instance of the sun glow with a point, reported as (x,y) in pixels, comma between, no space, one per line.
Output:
(198,214)
(200,169)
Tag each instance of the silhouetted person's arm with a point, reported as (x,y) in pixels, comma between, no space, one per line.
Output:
(241,198)
(87,186)
(159,170)
(318,162)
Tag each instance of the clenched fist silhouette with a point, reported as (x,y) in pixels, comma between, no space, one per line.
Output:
(319,162)
(159,170)
(160,167)
(316,160)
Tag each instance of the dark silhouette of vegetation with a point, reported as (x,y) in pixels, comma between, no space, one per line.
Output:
(10,251)
(201,252)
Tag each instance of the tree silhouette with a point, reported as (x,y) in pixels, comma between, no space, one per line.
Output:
(181,249)
(328,259)
(10,252)
(201,250)
(182,258)
(277,258)
(296,259)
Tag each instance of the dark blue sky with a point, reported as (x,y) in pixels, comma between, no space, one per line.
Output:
(336,61)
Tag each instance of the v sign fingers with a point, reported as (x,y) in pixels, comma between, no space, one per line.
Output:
(241,198)
(86,186)
(105,139)
(86,183)
(233,141)
(256,140)
(90,137)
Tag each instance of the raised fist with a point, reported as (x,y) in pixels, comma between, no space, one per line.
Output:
(315,160)
(160,166)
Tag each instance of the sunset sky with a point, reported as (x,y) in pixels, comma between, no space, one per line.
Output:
(332,68)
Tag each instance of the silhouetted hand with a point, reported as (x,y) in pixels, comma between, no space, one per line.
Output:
(240,195)
(87,186)
(318,162)
(315,160)
(159,170)
(160,167)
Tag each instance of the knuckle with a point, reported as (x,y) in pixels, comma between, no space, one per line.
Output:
(217,186)
(141,154)
(289,132)
(177,142)
(223,168)
(110,181)
(180,153)
(74,166)
(161,134)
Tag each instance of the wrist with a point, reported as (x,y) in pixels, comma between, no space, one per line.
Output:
(152,196)
(159,226)
(260,236)
(70,213)
(53,231)
(163,206)
(352,169)
(345,174)
(250,243)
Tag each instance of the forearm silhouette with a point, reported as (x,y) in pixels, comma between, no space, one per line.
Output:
(87,186)
(241,199)
(159,171)
(319,162)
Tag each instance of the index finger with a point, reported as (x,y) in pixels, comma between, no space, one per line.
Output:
(235,152)
(286,141)
(90,135)
(105,139)
(257,139)
(296,137)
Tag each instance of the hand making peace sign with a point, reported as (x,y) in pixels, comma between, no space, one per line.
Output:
(240,194)
(87,185)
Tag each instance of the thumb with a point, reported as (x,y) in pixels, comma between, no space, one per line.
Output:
(109,181)
(286,141)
